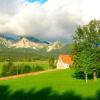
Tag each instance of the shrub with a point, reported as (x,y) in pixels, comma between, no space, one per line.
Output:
(7,68)
(27,69)
(52,63)
(36,68)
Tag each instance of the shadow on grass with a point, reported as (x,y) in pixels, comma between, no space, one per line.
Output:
(80,75)
(44,94)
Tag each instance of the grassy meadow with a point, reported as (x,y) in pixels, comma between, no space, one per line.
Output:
(54,85)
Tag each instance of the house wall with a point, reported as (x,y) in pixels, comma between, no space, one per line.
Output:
(62,65)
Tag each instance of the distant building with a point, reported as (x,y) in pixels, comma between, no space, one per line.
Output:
(64,61)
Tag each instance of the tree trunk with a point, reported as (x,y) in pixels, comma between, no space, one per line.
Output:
(94,75)
(17,70)
(86,77)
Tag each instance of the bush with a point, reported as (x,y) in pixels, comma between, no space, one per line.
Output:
(27,69)
(52,63)
(10,69)
(36,68)
(7,68)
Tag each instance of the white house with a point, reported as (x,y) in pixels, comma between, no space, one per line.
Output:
(64,61)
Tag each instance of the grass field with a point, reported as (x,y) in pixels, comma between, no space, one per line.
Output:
(56,85)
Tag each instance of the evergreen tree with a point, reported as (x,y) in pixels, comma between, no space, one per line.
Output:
(86,52)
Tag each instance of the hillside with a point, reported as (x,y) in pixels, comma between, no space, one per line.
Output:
(56,85)
(30,48)
(28,54)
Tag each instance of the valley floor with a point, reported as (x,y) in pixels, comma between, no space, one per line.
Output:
(26,74)
(52,85)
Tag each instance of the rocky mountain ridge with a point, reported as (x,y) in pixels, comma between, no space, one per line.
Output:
(27,43)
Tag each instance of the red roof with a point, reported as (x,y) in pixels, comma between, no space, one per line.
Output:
(66,59)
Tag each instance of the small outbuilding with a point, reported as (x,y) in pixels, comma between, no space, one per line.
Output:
(64,61)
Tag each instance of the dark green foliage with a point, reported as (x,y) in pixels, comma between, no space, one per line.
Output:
(7,68)
(36,68)
(10,69)
(84,60)
(27,69)
(98,72)
(52,63)
(86,52)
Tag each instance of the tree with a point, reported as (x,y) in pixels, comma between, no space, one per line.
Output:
(52,62)
(84,60)
(86,52)
(7,68)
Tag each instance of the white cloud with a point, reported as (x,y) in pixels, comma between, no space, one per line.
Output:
(90,9)
(10,6)
(54,19)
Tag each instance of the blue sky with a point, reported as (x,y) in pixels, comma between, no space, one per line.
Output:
(46,19)
(32,1)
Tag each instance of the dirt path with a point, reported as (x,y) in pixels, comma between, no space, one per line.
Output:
(26,74)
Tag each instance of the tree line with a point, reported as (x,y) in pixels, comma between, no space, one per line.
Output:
(9,68)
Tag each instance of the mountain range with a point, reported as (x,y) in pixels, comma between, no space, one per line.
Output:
(15,41)
(29,48)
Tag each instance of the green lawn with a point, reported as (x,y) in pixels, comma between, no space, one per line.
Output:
(56,85)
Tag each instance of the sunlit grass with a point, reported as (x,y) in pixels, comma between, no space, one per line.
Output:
(60,81)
